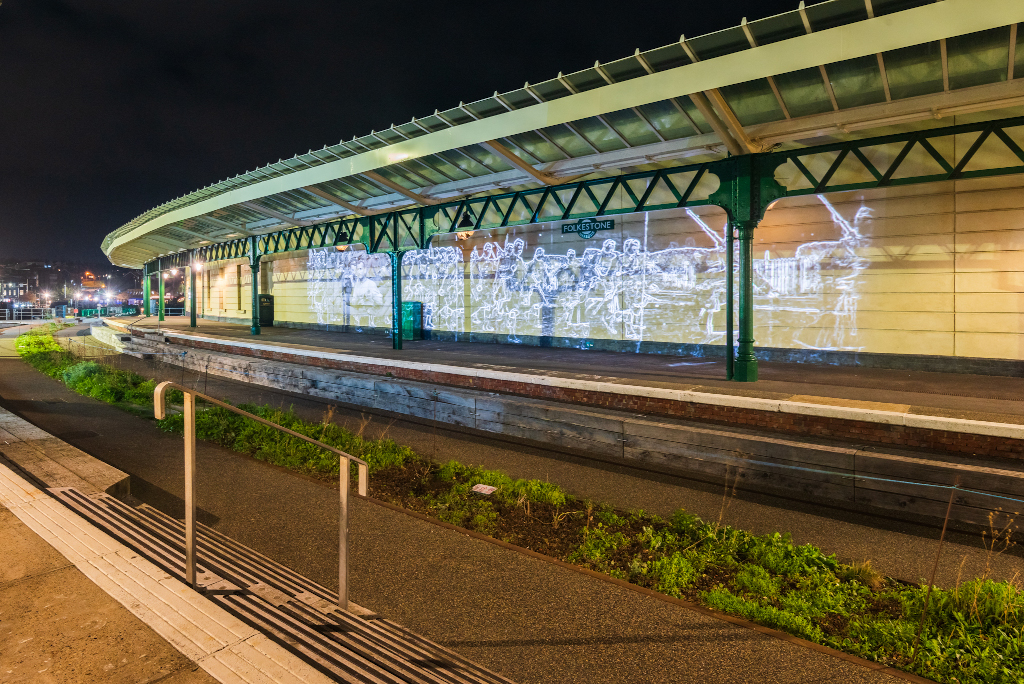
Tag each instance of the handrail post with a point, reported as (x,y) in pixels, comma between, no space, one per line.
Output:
(364,476)
(343,472)
(344,463)
(190,489)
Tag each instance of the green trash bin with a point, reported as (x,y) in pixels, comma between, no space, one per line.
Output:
(266,303)
(412,320)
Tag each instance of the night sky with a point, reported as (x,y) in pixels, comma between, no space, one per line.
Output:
(111,107)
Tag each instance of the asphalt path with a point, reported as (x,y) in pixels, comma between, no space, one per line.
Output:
(531,620)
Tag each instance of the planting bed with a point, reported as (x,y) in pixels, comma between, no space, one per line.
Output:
(973,632)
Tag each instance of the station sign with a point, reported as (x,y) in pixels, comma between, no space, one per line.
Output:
(588,227)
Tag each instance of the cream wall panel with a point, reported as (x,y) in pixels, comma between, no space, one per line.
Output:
(928,252)
(919,248)
(984,221)
(991,182)
(919,301)
(876,341)
(874,320)
(990,302)
(919,224)
(877,320)
(990,345)
(990,261)
(906,342)
(899,283)
(883,207)
(990,322)
(988,200)
(994,241)
(883,211)
(990,281)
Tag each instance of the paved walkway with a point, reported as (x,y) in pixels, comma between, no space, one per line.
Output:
(533,621)
(950,395)
(530,620)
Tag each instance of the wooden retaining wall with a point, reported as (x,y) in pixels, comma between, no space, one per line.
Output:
(836,472)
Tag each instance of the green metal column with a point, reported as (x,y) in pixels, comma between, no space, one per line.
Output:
(744,196)
(745,369)
(730,296)
(192,294)
(160,305)
(147,288)
(254,271)
(396,299)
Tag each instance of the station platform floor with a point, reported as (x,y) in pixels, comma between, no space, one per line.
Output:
(989,398)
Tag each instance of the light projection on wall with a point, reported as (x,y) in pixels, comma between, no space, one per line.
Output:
(435,277)
(806,296)
(676,294)
(605,292)
(812,297)
(349,288)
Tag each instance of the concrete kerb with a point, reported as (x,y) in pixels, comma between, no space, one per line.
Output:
(56,462)
(938,423)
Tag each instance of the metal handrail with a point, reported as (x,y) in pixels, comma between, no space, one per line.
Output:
(160,411)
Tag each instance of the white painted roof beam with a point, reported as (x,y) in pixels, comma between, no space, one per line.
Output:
(391,185)
(273,213)
(355,209)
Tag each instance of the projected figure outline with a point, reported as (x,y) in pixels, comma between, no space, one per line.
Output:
(632,294)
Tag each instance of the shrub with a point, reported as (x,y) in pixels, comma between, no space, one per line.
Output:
(29,344)
(755,580)
(79,372)
(597,547)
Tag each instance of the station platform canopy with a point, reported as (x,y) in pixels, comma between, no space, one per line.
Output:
(824,73)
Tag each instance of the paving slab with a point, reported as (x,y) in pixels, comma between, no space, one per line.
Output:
(57,625)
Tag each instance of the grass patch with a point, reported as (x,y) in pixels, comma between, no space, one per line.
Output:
(974,632)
